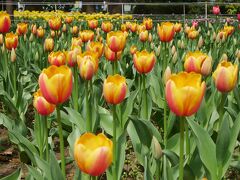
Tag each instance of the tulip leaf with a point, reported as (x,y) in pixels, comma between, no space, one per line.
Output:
(206,147)
(232,140)
(16,175)
(146,105)
(223,141)
(35,173)
(147,172)
(56,172)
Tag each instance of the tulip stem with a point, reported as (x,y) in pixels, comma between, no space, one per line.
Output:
(75,92)
(221,108)
(114,143)
(14,78)
(187,143)
(145,97)
(88,119)
(61,141)
(46,136)
(165,123)
(181,160)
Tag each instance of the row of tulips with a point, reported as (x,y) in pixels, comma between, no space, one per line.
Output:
(76,92)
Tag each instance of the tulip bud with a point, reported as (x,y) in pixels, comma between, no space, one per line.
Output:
(1,39)
(25,37)
(158,50)
(152,45)
(36,57)
(200,42)
(208,33)
(238,54)
(13,55)
(31,37)
(214,36)
(173,50)
(179,43)
(206,66)
(157,150)
(174,58)
(218,38)
(64,28)
(182,45)
(150,37)
(224,57)
(3,48)
(223,38)
(167,74)
(234,41)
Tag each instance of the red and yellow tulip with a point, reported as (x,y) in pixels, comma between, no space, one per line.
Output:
(57,58)
(5,22)
(166,31)
(96,47)
(198,62)
(40,32)
(110,55)
(55,23)
(116,40)
(143,35)
(114,89)
(107,26)
(225,76)
(56,84)
(22,28)
(42,106)
(11,41)
(48,44)
(93,23)
(144,61)
(86,35)
(148,23)
(192,33)
(93,153)
(88,64)
(177,27)
(184,93)
(133,49)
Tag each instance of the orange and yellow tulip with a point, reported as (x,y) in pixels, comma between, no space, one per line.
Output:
(192,33)
(42,106)
(148,23)
(96,47)
(228,29)
(40,32)
(48,44)
(123,27)
(110,55)
(86,35)
(225,76)
(11,41)
(177,27)
(55,23)
(133,27)
(57,58)
(144,61)
(166,31)
(69,19)
(22,28)
(198,62)
(34,29)
(5,22)
(184,93)
(93,153)
(116,40)
(74,30)
(114,89)
(93,24)
(107,26)
(56,84)
(76,41)
(133,49)
(143,35)
(88,64)
(71,58)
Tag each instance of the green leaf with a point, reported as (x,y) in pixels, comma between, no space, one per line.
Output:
(121,142)
(35,173)
(223,141)
(146,114)
(16,175)
(56,172)
(206,147)
(106,120)
(147,172)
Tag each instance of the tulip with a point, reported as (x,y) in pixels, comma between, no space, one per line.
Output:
(1,39)
(13,55)
(74,30)
(123,27)
(229,29)
(141,27)
(107,26)
(194,24)
(22,28)
(216,10)
(167,74)
(34,29)
(93,153)
(150,38)
(116,40)
(52,33)
(198,62)
(144,61)
(92,24)
(55,23)
(64,28)
(76,41)
(110,55)
(238,16)
(5,22)
(177,27)
(71,58)
(40,32)
(88,64)
(143,36)
(11,41)
(148,23)
(42,106)
(96,47)
(48,44)
(184,93)
(166,31)
(225,76)
(69,19)
(114,89)
(86,35)
(133,27)
(57,58)
(133,49)
(192,34)
(157,149)
(56,84)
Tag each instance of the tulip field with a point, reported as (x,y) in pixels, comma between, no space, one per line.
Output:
(108,96)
